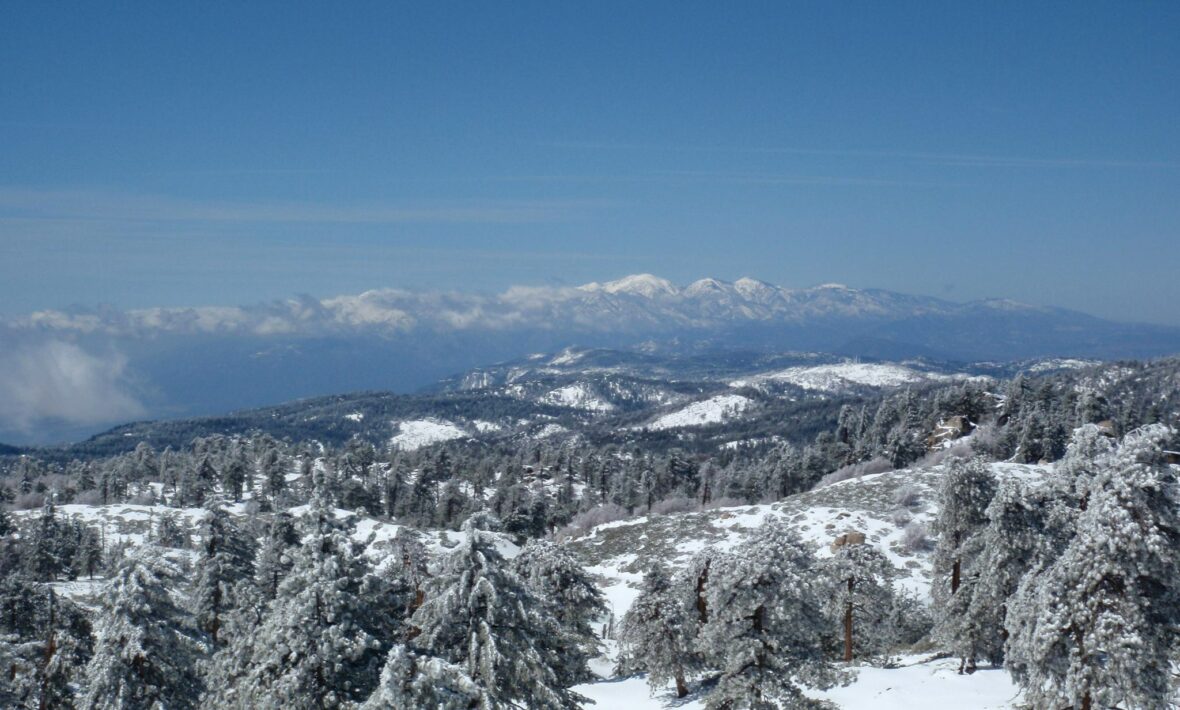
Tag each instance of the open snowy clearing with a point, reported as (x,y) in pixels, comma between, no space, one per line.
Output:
(417,433)
(917,684)
(842,376)
(709,411)
(619,553)
(578,396)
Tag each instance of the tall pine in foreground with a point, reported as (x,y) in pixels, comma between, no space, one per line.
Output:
(767,624)
(1101,628)
(146,649)
(861,597)
(658,634)
(966,490)
(313,649)
(572,599)
(482,617)
(226,560)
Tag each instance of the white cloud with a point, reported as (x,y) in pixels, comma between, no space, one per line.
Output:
(58,380)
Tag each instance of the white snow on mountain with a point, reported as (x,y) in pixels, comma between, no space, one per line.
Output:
(842,376)
(709,411)
(636,301)
(578,396)
(417,433)
(645,285)
(1061,364)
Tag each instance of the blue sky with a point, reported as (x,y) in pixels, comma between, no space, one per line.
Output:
(173,153)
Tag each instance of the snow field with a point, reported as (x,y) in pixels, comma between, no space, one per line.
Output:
(709,411)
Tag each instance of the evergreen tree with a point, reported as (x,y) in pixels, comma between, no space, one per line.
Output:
(313,648)
(572,599)
(658,634)
(862,600)
(414,681)
(274,557)
(481,616)
(227,558)
(966,490)
(146,650)
(767,624)
(1097,628)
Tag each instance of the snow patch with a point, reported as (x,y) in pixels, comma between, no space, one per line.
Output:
(577,396)
(709,411)
(417,433)
(841,376)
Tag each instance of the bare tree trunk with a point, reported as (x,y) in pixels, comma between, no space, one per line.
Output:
(956,570)
(681,686)
(848,625)
(702,607)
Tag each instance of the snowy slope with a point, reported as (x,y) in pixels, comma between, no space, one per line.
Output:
(618,554)
(417,433)
(710,411)
(578,396)
(843,376)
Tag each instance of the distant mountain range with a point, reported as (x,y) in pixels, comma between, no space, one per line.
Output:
(184,361)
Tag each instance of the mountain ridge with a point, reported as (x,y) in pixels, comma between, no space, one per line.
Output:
(197,361)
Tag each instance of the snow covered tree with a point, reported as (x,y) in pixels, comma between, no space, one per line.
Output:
(48,643)
(482,617)
(313,649)
(573,600)
(966,490)
(657,633)
(146,648)
(274,557)
(1097,628)
(413,681)
(861,598)
(1025,526)
(227,558)
(766,623)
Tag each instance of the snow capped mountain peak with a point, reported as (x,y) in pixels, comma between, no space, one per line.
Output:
(832,287)
(753,289)
(706,286)
(646,285)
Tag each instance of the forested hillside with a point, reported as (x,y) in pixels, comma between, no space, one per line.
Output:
(758,534)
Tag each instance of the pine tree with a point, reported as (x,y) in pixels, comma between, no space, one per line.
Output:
(481,616)
(658,634)
(767,624)
(1097,628)
(274,557)
(227,558)
(146,650)
(313,648)
(414,681)
(964,494)
(862,599)
(572,599)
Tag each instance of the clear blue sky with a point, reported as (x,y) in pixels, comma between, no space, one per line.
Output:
(168,153)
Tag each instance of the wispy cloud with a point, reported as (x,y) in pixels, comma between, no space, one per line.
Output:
(100,205)
(58,380)
(721,176)
(928,157)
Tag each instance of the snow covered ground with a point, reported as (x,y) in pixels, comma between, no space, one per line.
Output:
(417,433)
(916,684)
(619,553)
(578,396)
(842,376)
(709,411)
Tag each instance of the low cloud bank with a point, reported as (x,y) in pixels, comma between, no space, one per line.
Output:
(57,380)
